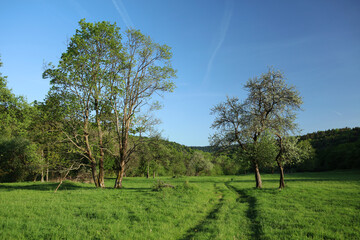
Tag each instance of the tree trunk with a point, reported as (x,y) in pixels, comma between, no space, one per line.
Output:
(282,179)
(148,170)
(123,136)
(120,175)
(47,163)
(47,172)
(118,183)
(278,161)
(42,166)
(93,172)
(121,165)
(154,174)
(101,175)
(88,148)
(257,176)
(42,174)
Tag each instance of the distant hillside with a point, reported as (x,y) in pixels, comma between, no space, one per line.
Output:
(177,146)
(335,149)
(323,139)
(209,149)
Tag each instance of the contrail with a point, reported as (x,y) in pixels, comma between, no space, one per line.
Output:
(123,13)
(224,27)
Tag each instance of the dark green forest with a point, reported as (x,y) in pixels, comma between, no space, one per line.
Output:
(334,149)
(32,150)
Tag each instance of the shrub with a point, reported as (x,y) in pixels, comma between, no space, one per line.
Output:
(18,159)
(159,185)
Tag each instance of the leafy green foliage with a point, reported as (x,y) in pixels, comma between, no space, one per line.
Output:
(18,159)
(272,103)
(15,112)
(199,164)
(264,150)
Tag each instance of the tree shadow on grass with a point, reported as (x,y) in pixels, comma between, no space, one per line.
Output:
(136,189)
(67,185)
(202,225)
(251,212)
(242,181)
(301,180)
(311,180)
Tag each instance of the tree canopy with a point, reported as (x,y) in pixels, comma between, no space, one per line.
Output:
(103,82)
(269,108)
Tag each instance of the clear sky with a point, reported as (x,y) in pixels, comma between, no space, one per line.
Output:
(217,46)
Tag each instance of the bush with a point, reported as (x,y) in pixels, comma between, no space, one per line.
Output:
(18,159)
(159,185)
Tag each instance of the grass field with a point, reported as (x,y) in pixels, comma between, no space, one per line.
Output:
(313,206)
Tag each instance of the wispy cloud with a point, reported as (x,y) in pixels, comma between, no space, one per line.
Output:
(338,113)
(123,13)
(224,28)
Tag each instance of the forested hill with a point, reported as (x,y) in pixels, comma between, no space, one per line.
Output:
(177,146)
(335,149)
(209,149)
(333,137)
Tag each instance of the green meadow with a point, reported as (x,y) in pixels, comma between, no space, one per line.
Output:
(313,206)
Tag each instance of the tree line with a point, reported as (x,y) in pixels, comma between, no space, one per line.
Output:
(97,119)
(334,149)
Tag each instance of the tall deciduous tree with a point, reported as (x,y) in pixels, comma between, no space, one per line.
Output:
(272,105)
(148,71)
(269,107)
(234,126)
(79,83)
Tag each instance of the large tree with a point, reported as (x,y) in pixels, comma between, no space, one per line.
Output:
(79,85)
(105,81)
(269,107)
(273,106)
(234,127)
(148,71)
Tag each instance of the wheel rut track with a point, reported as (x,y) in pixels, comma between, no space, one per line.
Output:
(211,216)
(251,213)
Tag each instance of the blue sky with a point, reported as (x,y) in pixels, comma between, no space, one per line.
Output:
(217,47)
